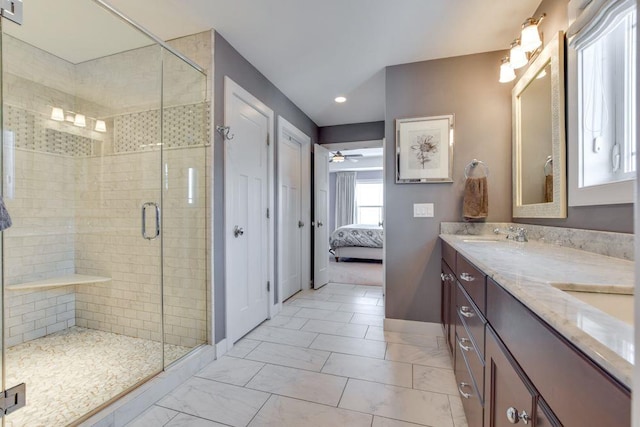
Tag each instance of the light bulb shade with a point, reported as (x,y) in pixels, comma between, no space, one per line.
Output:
(101,126)
(57,114)
(80,120)
(506,72)
(530,37)
(517,57)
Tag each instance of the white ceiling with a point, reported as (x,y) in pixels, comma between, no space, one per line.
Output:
(312,50)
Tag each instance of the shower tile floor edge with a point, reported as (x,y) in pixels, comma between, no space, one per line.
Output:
(73,371)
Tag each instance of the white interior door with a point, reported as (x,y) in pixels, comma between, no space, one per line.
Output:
(321,216)
(246,220)
(291,223)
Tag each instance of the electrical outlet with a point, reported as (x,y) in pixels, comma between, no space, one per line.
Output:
(423,210)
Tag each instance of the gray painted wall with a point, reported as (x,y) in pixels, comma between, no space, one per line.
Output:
(228,62)
(468,87)
(332,192)
(618,218)
(352,132)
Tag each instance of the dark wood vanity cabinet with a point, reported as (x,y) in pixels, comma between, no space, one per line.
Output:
(512,367)
(509,396)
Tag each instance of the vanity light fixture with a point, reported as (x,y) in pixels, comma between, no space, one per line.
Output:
(530,38)
(101,126)
(57,114)
(506,71)
(522,49)
(340,99)
(517,55)
(60,115)
(80,120)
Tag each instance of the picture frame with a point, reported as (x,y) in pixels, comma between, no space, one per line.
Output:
(424,149)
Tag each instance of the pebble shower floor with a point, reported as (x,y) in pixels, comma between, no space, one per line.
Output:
(71,372)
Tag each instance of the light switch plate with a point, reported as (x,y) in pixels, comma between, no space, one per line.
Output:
(423,210)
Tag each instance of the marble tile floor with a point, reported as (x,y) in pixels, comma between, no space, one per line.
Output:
(321,362)
(71,372)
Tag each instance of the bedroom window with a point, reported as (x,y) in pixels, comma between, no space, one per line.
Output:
(369,202)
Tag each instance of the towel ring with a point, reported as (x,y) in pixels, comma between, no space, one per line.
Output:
(473,164)
(548,163)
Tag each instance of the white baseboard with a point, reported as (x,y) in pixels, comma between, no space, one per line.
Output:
(124,410)
(221,348)
(413,327)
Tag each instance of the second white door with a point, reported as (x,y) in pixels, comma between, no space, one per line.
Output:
(291,224)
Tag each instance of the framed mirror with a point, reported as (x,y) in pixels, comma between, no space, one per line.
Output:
(539,147)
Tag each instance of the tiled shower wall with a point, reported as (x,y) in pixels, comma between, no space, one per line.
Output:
(40,244)
(76,207)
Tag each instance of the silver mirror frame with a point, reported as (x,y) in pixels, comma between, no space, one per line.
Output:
(552,54)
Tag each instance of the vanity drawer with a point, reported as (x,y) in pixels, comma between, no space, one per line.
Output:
(578,391)
(468,392)
(471,319)
(473,359)
(473,281)
(448,255)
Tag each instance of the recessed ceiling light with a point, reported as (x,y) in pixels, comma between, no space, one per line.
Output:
(340,99)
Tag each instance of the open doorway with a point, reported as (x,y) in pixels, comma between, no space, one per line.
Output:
(356,214)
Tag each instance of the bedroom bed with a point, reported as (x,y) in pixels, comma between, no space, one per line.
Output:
(357,241)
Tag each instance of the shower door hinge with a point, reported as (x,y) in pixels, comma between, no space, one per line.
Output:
(268,286)
(13,399)
(12,10)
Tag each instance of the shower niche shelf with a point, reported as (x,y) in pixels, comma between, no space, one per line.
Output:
(55,282)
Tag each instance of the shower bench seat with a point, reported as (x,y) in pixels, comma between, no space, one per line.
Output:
(54,282)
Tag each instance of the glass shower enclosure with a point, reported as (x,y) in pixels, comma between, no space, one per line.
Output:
(104,269)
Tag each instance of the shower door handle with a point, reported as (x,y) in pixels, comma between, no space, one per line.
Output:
(144,220)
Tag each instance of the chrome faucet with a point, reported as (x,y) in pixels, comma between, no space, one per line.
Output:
(516,234)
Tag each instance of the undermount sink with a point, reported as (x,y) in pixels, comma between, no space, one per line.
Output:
(613,300)
(483,239)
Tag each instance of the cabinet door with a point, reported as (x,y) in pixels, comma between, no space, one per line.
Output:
(448,305)
(508,397)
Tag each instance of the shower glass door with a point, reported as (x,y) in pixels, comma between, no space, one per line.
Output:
(83,177)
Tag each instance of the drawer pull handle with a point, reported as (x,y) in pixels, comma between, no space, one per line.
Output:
(466,311)
(463,347)
(513,416)
(467,277)
(446,277)
(462,393)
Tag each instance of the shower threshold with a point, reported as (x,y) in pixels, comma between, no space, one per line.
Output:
(71,372)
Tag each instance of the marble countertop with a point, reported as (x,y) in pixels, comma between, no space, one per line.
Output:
(529,271)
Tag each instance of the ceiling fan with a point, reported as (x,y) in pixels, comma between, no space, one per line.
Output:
(338,157)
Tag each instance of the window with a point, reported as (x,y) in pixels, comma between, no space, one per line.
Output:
(607,74)
(601,101)
(369,202)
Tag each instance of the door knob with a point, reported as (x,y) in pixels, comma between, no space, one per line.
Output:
(300,224)
(238,231)
(513,416)
(319,223)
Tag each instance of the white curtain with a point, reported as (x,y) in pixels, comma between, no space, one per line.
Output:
(345,198)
